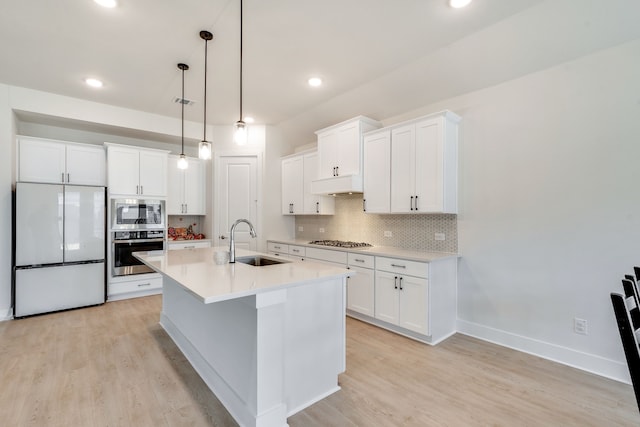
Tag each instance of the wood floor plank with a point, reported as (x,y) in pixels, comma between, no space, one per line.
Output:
(113,365)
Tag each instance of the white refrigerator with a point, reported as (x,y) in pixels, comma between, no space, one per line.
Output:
(59,258)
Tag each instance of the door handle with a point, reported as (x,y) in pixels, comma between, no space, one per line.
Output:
(222,237)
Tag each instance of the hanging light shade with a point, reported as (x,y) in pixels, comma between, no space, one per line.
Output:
(240,136)
(204,148)
(182,161)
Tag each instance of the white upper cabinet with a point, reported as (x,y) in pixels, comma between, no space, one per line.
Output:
(377,172)
(314,204)
(340,156)
(292,185)
(423,158)
(186,190)
(298,171)
(41,160)
(136,172)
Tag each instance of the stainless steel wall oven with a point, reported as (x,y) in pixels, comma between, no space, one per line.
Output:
(125,243)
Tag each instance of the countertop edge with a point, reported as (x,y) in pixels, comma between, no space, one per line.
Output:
(384,251)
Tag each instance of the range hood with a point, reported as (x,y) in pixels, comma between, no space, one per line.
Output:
(337,185)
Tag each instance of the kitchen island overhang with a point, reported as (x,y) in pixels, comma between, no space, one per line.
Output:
(268,341)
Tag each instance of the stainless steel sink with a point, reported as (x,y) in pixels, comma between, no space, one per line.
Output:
(259,261)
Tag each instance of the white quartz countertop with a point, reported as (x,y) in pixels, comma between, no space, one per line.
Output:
(196,270)
(386,251)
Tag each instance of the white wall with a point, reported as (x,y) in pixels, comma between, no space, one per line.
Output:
(550,207)
(6,168)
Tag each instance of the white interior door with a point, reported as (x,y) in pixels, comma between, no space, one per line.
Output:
(237,198)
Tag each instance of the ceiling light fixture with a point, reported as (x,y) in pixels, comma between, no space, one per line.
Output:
(182,161)
(315,81)
(93,82)
(249,119)
(107,3)
(457,4)
(204,149)
(240,136)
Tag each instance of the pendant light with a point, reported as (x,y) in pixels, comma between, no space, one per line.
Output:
(240,136)
(204,149)
(182,161)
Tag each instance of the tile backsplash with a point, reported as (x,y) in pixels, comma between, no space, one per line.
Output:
(410,231)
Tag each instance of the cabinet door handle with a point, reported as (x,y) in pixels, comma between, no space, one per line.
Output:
(277,247)
(400,283)
(334,171)
(337,170)
(411,203)
(364,205)
(398,266)
(68,177)
(317,207)
(395,282)
(143,284)
(62,176)
(295,250)
(416,203)
(190,247)
(186,208)
(141,189)
(137,189)
(358,260)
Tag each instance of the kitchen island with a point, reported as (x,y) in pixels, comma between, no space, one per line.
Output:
(267,340)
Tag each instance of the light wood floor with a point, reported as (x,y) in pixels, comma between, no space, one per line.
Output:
(113,365)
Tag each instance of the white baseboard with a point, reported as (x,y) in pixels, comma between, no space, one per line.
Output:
(587,362)
(6,314)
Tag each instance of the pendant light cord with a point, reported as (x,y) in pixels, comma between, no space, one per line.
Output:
(205,91)
(241,19)
(182,103)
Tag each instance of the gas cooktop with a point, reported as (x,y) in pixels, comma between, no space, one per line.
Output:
(339,243)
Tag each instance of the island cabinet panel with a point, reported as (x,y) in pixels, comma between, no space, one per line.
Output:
(268,341)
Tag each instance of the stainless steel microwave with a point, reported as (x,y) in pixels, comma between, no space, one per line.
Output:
(137,214)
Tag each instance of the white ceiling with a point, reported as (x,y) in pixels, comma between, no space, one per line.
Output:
(377,57)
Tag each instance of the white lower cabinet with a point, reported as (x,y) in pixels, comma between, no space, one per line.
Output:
(361,287)
(402,293)
(139,285)
(278,249)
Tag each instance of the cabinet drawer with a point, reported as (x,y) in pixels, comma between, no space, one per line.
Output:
(337,257)
(360,260)
(280,248)
(124,287)
(297,250)
(187,245)
(401,266)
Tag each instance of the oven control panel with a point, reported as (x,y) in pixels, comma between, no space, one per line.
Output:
(138,234)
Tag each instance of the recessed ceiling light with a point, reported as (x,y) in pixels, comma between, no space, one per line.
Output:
(107,3)
(457,4)
(93,82)
(248,119)
(315,81)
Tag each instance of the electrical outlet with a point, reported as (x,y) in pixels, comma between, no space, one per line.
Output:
(439,236)
(321,230)
(300,228)
(388,233)
(580,326)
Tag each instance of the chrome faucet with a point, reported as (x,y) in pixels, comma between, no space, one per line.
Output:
(232,243)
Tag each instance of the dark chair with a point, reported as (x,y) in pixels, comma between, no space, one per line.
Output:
(624,317)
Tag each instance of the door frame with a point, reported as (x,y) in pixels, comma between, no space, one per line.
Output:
(258,155)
